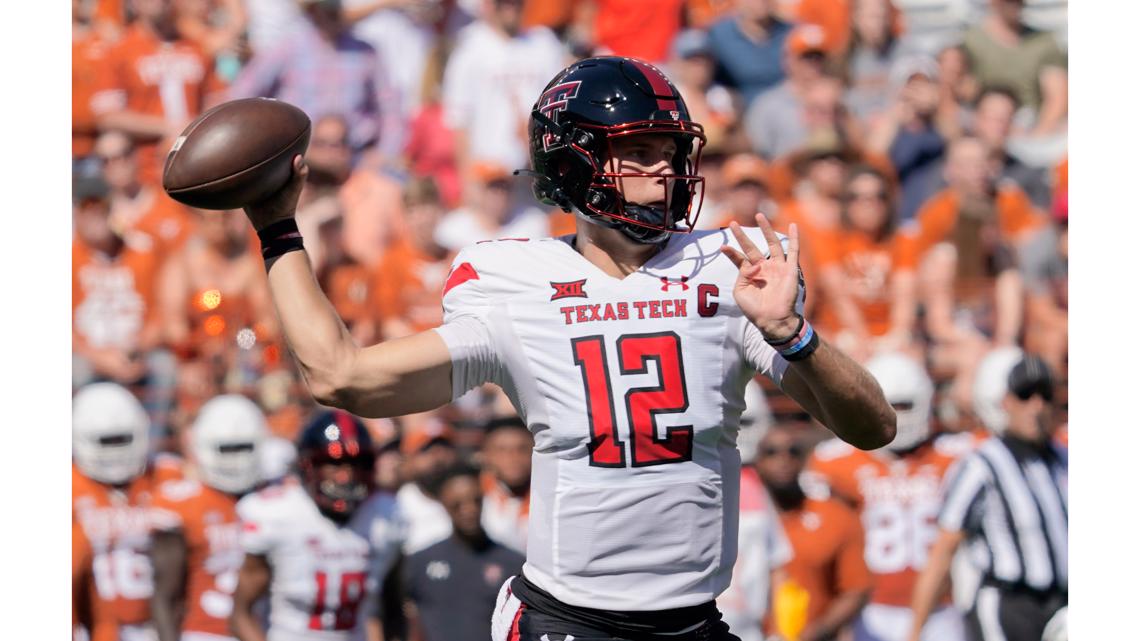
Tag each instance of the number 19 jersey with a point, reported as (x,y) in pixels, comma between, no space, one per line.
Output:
(633,389)
(326,577)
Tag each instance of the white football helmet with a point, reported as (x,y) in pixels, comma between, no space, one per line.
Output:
(225,438)
(276,456)
(991,382)
(910,391)
(109,433)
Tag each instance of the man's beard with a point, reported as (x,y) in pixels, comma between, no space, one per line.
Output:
(787,496)
(324,177)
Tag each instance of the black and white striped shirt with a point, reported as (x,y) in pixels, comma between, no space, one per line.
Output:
(1013,497)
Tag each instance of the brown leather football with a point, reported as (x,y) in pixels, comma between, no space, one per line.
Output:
(235,154)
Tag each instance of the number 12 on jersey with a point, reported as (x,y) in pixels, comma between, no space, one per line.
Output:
(642,404)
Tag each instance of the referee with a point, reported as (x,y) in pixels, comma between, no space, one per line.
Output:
(1011,498)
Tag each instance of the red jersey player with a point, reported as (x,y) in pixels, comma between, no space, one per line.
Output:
(320,544)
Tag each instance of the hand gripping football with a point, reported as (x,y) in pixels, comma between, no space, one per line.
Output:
(236,154)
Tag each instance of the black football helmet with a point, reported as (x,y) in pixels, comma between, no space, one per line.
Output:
(336,437)
(573,124)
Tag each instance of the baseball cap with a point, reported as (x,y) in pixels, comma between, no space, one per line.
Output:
(87,182)
(742,168)
(906,68)
(1031,375)
(691,43)
(490,172)
(821,143)
(805,38)
(419,438)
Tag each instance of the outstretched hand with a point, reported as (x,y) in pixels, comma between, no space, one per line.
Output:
(767,286)
(282,205)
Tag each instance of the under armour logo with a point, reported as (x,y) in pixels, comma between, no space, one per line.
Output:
(666,283)
(568,637)
(573,289)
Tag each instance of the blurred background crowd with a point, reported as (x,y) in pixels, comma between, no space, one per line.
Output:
(919,145)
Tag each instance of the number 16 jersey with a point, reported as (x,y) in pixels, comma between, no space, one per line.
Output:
(633,389)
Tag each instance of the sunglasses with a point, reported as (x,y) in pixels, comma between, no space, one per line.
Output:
(855,196)
(1026,392)
(328,143)
(794,451)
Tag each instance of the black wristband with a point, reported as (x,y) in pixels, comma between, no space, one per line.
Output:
(787,339)
(803,352)
(279,238)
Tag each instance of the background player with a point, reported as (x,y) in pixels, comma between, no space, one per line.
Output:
(826,582)
(320,547)
(896,490)
(612,142)
(195,540)
(112,486)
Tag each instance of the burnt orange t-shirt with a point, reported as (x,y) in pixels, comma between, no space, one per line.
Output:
(827,552)
(936,219)
(898,500)
(112,298)
(168,223)
(209,524)
(867,266)
(116,525)
(562,223)
(350,290)
(88,54)
(703,13)
(409,287)
(554,14)
(111,11)
(147,75)
(832,16)
(638,28)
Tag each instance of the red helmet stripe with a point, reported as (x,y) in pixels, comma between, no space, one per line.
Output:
(660,85)
(347,426)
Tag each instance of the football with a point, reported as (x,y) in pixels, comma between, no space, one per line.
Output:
(235,154)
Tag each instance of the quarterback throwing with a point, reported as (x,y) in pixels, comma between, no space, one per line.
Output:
(625,348)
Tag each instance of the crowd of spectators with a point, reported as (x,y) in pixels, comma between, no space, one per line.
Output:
(919,145)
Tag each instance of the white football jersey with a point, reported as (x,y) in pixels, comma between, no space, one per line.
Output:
(633,389)
(323,574)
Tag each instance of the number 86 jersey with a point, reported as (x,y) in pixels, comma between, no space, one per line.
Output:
(633,389)
(325,576)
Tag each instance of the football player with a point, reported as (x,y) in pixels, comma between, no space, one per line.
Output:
(896,490)
(113,481)
(321,545)
(625,347)
(195,548)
